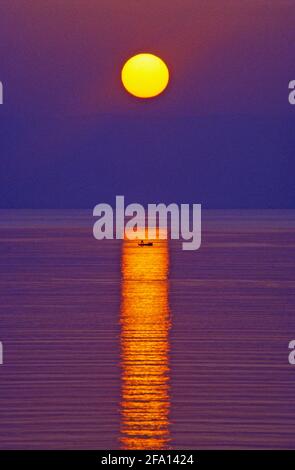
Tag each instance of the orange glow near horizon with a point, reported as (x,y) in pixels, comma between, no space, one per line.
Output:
(145,324)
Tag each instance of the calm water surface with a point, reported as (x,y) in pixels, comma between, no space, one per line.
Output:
(108,345)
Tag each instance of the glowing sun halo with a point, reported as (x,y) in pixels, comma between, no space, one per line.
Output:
(145,75)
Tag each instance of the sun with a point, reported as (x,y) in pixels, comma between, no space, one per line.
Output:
(145,75)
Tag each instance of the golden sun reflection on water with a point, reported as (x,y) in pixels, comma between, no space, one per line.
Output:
(145,324)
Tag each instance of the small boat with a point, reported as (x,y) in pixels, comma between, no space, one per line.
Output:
(145,244)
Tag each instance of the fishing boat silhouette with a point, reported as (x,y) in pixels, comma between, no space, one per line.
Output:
(142,243)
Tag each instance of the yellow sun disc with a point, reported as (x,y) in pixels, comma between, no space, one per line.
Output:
(145,75)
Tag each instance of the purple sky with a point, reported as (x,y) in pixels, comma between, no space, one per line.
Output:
(221,135)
